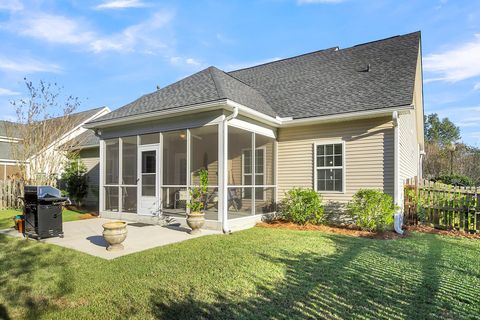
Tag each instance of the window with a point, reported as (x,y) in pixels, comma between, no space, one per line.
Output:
(259,172)
(329,167)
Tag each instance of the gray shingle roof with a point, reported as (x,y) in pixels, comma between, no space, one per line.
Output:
(75,120)
(86,139)
(320,83)
(334,81)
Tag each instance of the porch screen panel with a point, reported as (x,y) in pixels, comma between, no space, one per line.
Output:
(240,173)
(111,161)
(174,168)
(265,187)
(129,161)
(204,154)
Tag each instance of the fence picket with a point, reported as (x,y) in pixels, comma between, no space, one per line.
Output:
(443,206)
(10,191)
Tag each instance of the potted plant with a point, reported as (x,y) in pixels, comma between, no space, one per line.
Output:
(198,196)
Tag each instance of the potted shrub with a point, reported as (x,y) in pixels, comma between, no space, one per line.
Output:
(198,196)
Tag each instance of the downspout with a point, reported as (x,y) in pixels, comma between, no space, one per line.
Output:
(225,227)
(398,217)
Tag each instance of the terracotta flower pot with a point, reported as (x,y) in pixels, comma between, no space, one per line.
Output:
(195,221)
(115,233)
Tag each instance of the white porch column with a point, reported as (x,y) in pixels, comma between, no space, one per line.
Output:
(101,190)
(223,174)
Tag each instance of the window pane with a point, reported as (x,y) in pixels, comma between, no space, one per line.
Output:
(329,161)
(174,201)
(129,160)
(150,138)
(338,148)
(175,158)
(266,149)
(329,149)
(148,184)
(204,153)
(320,150)
(239,142)
(338,179)
(149,162)
(259,158)
(247,180)
(129,199)
(338,161)
(111,198)
(264,200)
(111,161)
(329,185)
(321,161)
(238,205)
(321,174)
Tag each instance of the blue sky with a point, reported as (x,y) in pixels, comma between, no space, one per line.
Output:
(111,52)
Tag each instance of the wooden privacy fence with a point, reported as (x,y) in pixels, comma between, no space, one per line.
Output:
(442,206)
(10,190)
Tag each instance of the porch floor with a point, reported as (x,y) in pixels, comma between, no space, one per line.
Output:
(86,236)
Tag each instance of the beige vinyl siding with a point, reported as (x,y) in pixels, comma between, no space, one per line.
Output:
(368,153)
(91,158)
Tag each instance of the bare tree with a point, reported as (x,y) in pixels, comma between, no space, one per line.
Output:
(40,133)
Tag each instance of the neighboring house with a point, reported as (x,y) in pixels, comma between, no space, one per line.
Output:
(8,163)
(335,120)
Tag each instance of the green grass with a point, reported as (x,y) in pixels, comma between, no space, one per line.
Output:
(6,216)
(253,274)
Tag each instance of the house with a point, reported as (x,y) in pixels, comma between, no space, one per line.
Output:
(335,120)
(72,132)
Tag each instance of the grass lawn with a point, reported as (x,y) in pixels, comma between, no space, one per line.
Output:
(257,273)
(6,215)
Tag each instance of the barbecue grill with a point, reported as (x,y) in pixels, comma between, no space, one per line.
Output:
(43,212)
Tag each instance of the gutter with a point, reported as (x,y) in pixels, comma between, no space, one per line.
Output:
(398,217)
(225,227)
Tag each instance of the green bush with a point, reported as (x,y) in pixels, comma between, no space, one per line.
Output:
(75,179)
(302,206)
(372,210)
(455,180)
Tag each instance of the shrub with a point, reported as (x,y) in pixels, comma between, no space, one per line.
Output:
(302,206)
(75,179)
(455,180)
(372,210)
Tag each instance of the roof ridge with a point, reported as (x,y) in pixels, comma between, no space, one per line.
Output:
(280,60)
(384,39)
(221,93)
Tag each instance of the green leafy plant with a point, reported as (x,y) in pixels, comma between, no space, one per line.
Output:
(455,180)
(302,206)
(372,210)
(75,179)
(198,195)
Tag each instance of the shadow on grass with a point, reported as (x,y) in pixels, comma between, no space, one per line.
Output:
(32,280)
(350,283)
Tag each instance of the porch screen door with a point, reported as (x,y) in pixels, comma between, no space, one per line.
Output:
(148,179)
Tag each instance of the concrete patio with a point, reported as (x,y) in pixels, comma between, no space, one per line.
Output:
(86,236)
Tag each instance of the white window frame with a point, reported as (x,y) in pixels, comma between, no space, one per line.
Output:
(316,167)
(254,174)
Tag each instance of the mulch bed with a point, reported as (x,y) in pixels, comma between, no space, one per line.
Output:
(350,230)
(344,230)
(84,216)
(451,233)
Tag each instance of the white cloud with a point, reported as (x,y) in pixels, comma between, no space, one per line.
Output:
(27,65)
(181,61)
(319,1)
(476,86)
(8,92)
(11,5)
(64,30)
(121,4)
(456,64)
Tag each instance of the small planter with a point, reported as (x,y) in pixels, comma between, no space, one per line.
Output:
(115,233)
(195,221)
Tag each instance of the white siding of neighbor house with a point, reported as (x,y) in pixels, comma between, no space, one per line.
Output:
(369,158)
(91,158)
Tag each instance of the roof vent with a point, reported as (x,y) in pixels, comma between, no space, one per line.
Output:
(365,68)
(158,87)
